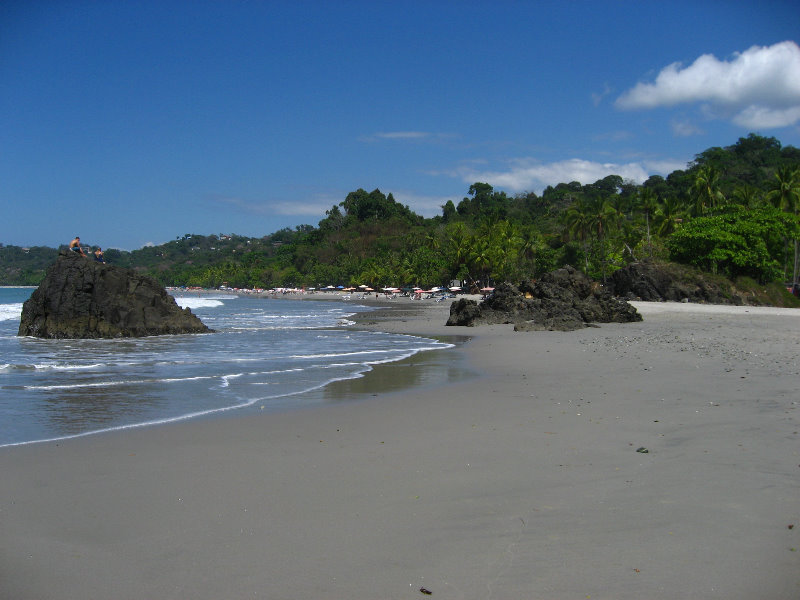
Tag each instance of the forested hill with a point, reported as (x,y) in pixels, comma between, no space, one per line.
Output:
(732,211)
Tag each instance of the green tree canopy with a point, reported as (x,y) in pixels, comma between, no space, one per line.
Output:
(738,242)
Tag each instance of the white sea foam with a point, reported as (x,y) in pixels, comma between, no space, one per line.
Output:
(67,367)
(10,312)
(116,383)
(202,302)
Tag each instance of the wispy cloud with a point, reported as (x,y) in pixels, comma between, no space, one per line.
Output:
(427,206)
(318,204)
(758,88)
(597,97)
(239,205)
(314,207)
(309,208)
(685,128)
(613,136)
(530,175)
(401,136)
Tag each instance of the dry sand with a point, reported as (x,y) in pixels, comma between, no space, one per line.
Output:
(523,482)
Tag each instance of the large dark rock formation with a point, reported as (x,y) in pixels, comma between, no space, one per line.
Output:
(563,300)
(651,281)
(82,298)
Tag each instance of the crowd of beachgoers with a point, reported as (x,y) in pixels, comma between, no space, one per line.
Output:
(340,292)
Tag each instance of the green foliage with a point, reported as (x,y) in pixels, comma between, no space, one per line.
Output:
(720,213)
(771,294)
(24,266)
(363,206)
(738,242)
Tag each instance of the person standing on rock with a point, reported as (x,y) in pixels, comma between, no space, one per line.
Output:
(75,246)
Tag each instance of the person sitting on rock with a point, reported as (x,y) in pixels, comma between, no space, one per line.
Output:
(75,246)
(98,255)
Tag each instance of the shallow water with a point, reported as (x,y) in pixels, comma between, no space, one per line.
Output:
(269,353)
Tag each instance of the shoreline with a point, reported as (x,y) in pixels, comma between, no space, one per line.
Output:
(420,370)
(524,481)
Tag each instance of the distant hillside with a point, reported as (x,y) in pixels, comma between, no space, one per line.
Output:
(732,212)
(25,266)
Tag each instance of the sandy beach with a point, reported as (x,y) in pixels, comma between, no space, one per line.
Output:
(652,460)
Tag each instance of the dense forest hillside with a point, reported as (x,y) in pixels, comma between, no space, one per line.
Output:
(733,211)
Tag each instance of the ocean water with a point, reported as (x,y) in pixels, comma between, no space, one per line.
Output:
(266,355)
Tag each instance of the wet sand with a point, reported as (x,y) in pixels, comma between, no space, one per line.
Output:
(645,460)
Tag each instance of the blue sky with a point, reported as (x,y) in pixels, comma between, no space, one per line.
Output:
(130,123)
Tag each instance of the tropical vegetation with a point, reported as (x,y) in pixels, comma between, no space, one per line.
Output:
(733,211)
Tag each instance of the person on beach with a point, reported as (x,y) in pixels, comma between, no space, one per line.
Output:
(75,246)
(98,255)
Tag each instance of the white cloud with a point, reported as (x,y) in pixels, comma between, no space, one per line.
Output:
(529,175)
(758,88)
(762,117)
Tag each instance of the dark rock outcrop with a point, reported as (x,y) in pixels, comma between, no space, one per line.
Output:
(82,298)
(657,282)
(563,300)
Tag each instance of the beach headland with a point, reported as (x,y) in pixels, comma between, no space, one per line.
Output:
(655,460)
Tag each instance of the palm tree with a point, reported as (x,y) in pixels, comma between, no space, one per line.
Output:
(785,190)
(459,246)
(506,242)
(667,217)
(706,190)
(603,219)
(577,226)
(785,194)
(747,196)
(648,203)
(591,218)
(531,243)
